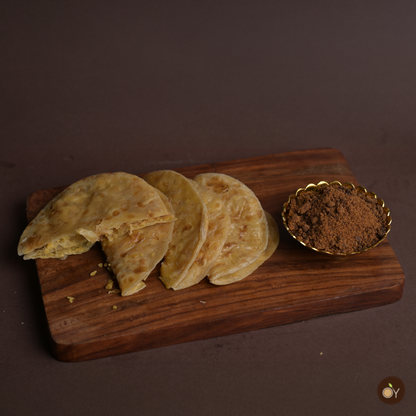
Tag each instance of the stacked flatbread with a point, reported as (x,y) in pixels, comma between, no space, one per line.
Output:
(199,232)
(249,234)
(211,226)
(225,241)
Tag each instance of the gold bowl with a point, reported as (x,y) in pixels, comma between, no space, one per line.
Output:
(349,185)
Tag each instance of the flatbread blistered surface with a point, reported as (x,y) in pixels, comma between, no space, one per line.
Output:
(248,231)
(89,209)
(191,225)
(272,243)
(134,255)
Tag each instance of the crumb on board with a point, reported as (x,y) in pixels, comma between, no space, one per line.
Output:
(93,273)
(100,265)
(110,284)
(70,298)
(114,291)
(202,301)
(321,353)
(107,265)
(114,307)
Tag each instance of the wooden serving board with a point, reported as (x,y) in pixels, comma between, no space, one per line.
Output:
(295,284)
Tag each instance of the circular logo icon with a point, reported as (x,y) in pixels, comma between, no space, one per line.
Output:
(391,390)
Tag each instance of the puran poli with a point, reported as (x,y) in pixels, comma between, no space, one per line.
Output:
(89,209)
(134,255)
(191,225)
(218,228)
(248,231)
(272,243)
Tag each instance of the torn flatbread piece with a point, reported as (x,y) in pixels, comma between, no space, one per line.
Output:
(133,256)
(248,234)
(89,209)
(272,243)
(191,225)
(218,228)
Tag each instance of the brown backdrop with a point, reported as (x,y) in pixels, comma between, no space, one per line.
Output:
(135,86)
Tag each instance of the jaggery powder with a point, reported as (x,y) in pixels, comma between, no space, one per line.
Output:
(336,219)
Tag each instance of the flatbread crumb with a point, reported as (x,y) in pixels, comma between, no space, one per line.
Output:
(93,273)
(114,307)
(70,298)
(110,284)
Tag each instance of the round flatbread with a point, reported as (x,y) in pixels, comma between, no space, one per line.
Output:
(191,225)
(89,209)
(134,255)
(272,243)
(248,234)
(218,229)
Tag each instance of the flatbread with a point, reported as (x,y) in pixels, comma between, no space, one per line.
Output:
(190,229)
(248,232)
(272,243)
(218,228)
(134,256)
(89,209)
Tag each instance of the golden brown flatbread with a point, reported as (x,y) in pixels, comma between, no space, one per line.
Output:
(248,232)
(89,209)
(218,228)
(134,255)
(190,229)
(272,243)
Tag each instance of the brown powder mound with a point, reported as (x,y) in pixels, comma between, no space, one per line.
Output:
(336,219)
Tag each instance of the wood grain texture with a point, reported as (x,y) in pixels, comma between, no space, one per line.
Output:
(295,284)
